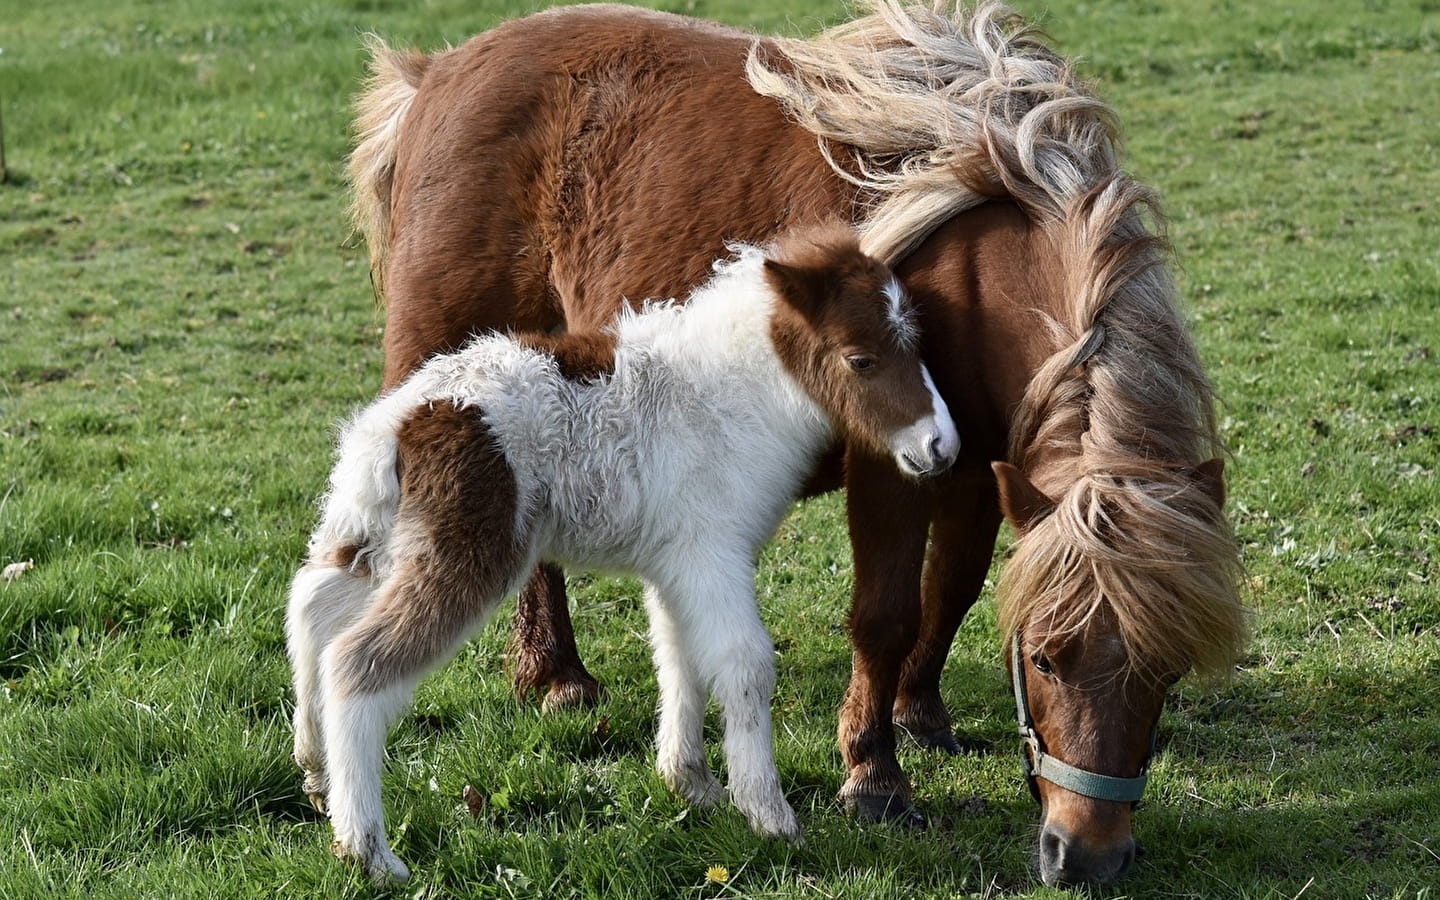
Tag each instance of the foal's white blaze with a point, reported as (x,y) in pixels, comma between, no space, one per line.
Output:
(930,444)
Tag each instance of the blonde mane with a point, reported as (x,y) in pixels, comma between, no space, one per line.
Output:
(943,107)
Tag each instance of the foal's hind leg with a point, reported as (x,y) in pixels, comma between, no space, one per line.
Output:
(368,676)
(325,598)
(457,554)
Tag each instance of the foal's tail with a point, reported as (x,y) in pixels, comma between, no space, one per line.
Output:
(395,77)
(364,498)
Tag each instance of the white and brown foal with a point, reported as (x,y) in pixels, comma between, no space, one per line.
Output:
(669,446)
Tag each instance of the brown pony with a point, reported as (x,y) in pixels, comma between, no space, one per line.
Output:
(532,176)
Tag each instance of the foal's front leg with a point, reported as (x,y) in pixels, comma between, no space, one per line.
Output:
(680,741)
(729,648)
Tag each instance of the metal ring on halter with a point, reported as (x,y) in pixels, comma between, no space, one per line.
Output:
(1039,764)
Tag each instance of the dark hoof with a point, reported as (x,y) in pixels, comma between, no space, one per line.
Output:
(942,739)
(578,694)
(886,808)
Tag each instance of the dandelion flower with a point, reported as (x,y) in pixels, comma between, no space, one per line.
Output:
(717,874)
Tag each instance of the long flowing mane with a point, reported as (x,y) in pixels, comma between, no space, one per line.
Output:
(947,107)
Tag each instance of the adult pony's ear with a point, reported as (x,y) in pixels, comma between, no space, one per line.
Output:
(1210,476)
(1021,501)
(800,287)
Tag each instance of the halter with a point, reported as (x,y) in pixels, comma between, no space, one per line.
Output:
(1039,764)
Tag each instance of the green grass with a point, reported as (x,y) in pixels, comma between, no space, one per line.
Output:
(183,319)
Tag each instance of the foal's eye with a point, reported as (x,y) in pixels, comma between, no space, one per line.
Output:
(860,363)
(1042,664)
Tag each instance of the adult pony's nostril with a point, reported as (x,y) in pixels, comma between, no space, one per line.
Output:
(1065,860)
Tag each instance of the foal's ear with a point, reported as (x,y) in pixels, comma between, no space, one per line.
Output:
(1210,476)
(798,286)
(1023,504)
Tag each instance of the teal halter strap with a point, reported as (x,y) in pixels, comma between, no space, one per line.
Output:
(1039,764)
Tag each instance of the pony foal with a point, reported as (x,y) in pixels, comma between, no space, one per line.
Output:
(669,446)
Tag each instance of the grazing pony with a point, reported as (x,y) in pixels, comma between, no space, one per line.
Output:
(535,175)
(669,446)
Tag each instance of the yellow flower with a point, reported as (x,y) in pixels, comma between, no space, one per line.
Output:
(717,874)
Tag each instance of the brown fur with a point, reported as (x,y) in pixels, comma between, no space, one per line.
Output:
(821,274)
(580,357)
(454,484)
(557,164)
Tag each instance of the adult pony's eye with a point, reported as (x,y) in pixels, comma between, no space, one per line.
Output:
(859,362)
(1042,664)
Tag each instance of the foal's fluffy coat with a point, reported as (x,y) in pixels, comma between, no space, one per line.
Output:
(676,465)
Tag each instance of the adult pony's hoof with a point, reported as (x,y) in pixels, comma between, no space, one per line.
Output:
(582,692)
(889,809)
(942,739)
(946,741)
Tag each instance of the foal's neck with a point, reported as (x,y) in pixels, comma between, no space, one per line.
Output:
(720,342)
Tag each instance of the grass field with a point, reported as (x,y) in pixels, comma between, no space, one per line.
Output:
(183,319)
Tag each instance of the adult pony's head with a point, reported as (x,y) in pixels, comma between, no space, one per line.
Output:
(1123,577)
(845,330)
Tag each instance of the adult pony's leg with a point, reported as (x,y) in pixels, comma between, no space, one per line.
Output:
(325,599)
(889,517)
(542,645)
(680,739)
(712,616)
(962,540)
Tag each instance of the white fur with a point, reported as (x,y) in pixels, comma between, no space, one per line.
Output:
(678,467)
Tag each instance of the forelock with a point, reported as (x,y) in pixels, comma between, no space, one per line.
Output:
(900,313)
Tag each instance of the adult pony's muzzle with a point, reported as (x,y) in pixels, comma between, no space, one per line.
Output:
(1065,859)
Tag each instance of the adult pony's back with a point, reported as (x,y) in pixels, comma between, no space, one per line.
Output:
(531,177)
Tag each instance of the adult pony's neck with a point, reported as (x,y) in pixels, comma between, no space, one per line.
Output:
(941,110)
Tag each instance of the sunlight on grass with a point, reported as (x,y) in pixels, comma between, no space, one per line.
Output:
(186,317)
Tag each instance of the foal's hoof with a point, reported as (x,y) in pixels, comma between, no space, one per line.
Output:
(777,822)
(579,693)
(380,863)
(317,801)
(696,783)
(887,808)
(316,787)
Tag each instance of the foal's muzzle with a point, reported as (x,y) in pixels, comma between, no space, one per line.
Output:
(927,447)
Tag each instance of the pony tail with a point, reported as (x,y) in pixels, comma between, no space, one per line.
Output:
(395,77)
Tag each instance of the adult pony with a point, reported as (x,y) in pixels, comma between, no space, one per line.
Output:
(669,446)
(535,174)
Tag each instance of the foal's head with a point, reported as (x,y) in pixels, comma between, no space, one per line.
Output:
(845,329)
